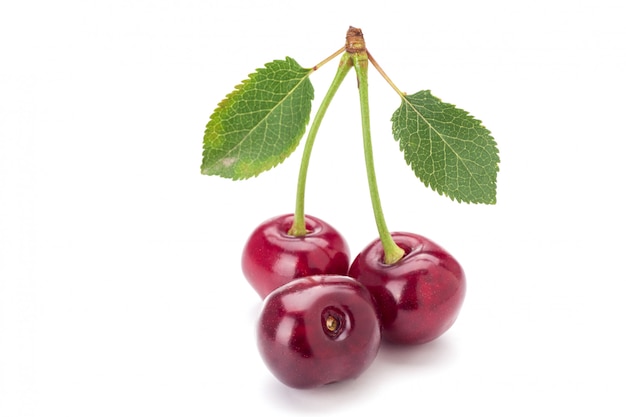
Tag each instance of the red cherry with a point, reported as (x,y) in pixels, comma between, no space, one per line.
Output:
(317,330)
(419,297)
(272,257)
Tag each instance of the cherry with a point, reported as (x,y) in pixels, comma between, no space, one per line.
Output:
(272,257)
(318,330)
(419,296)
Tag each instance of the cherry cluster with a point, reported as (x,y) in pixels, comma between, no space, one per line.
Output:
(324,317)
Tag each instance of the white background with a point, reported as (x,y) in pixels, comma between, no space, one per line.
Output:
(120,286)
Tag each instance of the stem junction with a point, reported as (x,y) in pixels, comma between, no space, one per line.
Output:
(357,56)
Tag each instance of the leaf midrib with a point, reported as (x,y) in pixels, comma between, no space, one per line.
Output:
(441,136)
(271,111)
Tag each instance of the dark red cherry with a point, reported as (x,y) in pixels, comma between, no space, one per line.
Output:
(272,257)
(318,330)
(419,297)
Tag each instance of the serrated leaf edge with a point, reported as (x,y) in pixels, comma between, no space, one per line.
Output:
(430,184)
(238,89)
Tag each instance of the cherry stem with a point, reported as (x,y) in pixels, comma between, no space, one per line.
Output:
(298,228)
(330,58)
(384,75)
(393,252)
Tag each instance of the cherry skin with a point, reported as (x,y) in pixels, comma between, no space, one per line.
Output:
(418,297)
(318,330)
(272,257)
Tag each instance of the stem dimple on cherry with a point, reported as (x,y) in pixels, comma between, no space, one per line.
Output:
(332,323)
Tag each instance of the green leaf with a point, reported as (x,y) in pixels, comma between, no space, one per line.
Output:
(448,149)
(260,123)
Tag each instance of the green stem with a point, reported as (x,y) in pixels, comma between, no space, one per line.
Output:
(393,252)
(299,226)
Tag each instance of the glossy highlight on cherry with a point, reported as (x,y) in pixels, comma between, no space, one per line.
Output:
(420,296)
(272,257)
